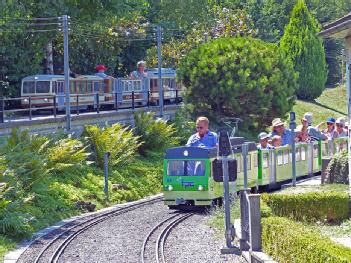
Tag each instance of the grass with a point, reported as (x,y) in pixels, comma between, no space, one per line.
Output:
(6,244)
(332,103)
(334,231)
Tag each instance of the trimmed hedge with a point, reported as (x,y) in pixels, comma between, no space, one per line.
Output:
(338,168)
(310,206)
(287,241)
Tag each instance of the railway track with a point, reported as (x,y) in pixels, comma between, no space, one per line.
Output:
(152,249)
(52,250)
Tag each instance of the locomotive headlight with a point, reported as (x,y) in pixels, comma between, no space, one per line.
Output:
(186,153)
(46,100)
(170,188)
(200,188)
(25,100)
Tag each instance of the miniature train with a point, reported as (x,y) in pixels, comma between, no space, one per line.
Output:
(190,173)
(40,91)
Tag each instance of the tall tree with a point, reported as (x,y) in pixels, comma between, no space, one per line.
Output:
(301,44)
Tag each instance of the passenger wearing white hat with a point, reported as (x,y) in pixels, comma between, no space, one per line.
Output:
(279,129)
(340,127)
(263,139)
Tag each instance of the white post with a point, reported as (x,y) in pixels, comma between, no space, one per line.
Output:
(348,89)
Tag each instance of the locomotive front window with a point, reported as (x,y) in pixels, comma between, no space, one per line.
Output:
(28,87)
(43,87)
(186,168)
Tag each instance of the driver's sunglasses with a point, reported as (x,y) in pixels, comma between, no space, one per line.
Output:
(199,127)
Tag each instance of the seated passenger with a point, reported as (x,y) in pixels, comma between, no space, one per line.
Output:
(263,139)
(330,132)
(276,141)
(140,72)
(203,138)
(279,129)
(302,130)
(340,127)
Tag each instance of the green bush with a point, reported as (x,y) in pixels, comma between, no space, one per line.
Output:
(338,168)
(288,241)
(116,139)
(243,77)
(184,124)
(155,135)
(311,206)
(305,48)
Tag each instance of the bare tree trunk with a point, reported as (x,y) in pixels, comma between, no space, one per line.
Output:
(49,59)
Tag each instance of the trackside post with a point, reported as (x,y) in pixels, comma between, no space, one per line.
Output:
(292,127)
(106,157)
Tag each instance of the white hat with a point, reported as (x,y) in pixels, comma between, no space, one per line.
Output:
(263,135)
(340,120)
(308,117)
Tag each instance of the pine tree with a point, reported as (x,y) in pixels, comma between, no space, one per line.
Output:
(302,45)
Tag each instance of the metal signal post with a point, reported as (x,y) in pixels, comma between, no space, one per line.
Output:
(66,69)
(159,60)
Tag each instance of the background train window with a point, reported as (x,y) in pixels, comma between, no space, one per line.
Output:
(96,86)
(42,87)
(72,86)
(280,158)
(137,85)
(186,168)
(265,160)
(315,150)
(286,157)
(153,85)
(303,154)
(89,87)
(28,87)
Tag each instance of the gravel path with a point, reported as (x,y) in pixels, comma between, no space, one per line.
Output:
(195,242)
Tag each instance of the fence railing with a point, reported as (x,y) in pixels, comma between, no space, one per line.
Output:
(26,106)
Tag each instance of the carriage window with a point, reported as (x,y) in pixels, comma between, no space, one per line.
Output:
(298,154)
(325,149)
(239,163)
(43,87)
(303,154)
(96,86)
(81,86)
(186,168)
(286,157)
(315,151)
(280,158)
(137,85)
(265,160)
(59,87)
(255,159)
(72,86)
(28,87)
(248,159)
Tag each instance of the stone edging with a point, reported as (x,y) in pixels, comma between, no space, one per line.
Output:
(13,256)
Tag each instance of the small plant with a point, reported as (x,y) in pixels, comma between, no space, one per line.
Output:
(155,135)
(119,141)
(184,124)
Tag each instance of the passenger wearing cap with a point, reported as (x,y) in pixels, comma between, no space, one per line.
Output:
(279,129)
(101,71)
(140,72)
(340,127)
(263,141)
(330,131)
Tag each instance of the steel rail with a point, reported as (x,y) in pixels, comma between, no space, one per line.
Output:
(90,222)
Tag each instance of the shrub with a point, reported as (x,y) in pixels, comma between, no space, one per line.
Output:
(311,206)
(184,124)
(302,45)
(243,77)
(338,168)
(119,141)
(155,135)
(288,241)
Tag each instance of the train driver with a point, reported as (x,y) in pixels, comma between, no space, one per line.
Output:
(203,138)
(140,72)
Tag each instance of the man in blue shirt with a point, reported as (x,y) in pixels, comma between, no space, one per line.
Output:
(203,138)
(279,129)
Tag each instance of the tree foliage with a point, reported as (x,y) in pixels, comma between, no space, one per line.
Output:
(242,77)
(223,23)
(305,49)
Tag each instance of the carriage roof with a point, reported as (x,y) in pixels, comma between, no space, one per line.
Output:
(191,153)
(59,77)
(166,72)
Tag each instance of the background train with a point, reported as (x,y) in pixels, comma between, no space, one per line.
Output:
(40,91)
(190,173)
